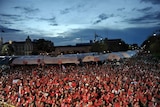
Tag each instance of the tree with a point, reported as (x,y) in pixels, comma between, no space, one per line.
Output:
(152,44)
(7,49)
(43,45)
(154,47)
(99,46)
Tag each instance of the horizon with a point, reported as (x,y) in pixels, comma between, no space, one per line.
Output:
(139,44)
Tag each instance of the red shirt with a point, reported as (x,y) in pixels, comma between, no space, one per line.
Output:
(74,84)
(106,97)
(84,98)
(117,104)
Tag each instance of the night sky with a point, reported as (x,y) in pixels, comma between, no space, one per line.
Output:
(67,22)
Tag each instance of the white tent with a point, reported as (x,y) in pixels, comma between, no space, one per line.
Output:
(125,55)
(44,60)
(50,60)
(27,60)
(71,58)
(113,56)
(79,55)
(66,60)
(132,52)
(102,57)
(90,58)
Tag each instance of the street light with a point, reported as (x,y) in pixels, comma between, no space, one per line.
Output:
(154,34)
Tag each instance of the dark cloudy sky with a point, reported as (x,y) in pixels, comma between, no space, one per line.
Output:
(66,22)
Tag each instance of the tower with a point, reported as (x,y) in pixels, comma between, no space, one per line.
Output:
(28,46)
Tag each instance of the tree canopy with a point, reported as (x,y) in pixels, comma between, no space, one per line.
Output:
(7,49)
(152,44)
(42,45)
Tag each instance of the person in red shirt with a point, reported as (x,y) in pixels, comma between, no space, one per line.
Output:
(116,102)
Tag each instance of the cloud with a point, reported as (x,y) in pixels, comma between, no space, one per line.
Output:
(10,18)
(157,15)
(80,6)
(27,10)
(120,9)
(54,24)
(144,9)
(66,10)
(97,21)
(51,21)
(9,30)
(152,1)
(131,35)
(9,15)
(72,8)
(102,17)
(148,18)
(6,22)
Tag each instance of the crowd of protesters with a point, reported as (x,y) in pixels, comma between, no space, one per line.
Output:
(134,83)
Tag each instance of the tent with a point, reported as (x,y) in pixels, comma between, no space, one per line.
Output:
(125,55)
(27,60)
(49,60)
(67,60)
(79,55)
(18,61)
(102,57)
(132,52)
(113,56)
(90,59)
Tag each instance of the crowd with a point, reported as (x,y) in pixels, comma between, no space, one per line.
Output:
(134,83)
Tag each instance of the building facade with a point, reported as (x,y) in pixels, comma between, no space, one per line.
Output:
(23,48)
(28,47)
